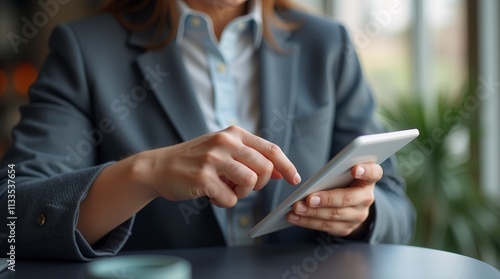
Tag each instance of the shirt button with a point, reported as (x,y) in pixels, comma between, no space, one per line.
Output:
(221,68)
(233,121)
(244,221)
(195,21)
(40,220)
(241,26)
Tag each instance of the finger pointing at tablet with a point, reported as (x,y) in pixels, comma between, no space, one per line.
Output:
(224,166)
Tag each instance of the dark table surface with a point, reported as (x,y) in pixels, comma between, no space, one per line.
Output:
(353,261)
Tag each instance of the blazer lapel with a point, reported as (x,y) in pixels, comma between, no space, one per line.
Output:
(278,74)
(177,99)
(163,69)
(278,77)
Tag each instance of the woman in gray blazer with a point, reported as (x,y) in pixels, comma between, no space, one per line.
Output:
(179,124)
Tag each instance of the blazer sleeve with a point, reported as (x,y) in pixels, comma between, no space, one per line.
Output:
(54,164)
(394,215)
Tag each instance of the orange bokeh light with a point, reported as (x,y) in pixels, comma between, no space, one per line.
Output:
(24,75)
(3,82)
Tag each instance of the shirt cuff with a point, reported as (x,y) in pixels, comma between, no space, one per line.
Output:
(110,245)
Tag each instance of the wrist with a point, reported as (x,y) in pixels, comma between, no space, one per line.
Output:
(140,172)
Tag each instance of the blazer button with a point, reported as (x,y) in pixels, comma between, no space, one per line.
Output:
(40,220)
(244,221)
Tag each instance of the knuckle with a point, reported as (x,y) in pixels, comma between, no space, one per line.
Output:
(250,179)
(273,149)
(358,217)
(326,225)
(347,199)
(334,214)
(233,128)
(370,198)
(207,158)
(330,200)
(210,190)
(203,176)
(362,216)
(221,139)
(311,211)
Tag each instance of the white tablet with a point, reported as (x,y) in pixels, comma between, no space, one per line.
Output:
(337,173)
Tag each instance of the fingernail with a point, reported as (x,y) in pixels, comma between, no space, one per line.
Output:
(314,201)
(360,171)
(297,178)
(293,217)
(301,208)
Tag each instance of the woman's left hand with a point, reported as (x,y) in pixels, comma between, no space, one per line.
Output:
(342,211)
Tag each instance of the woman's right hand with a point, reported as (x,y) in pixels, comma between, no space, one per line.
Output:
(224,166)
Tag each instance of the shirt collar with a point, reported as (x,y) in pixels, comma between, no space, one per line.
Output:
(254,16)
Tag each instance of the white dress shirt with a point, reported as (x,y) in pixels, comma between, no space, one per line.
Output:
(224,79)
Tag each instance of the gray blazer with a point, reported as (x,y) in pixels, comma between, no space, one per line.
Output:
(101,96)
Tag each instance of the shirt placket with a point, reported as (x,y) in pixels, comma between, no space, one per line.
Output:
(239,219)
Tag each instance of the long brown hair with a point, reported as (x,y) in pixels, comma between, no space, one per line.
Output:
(165,12)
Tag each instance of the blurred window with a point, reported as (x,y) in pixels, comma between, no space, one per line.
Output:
(382,32)
(447,22)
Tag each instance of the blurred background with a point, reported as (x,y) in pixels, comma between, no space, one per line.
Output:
(433,65)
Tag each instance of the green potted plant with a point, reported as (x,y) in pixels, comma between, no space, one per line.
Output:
(452,212)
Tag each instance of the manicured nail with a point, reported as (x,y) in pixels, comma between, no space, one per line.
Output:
(297,179)
(314,201)
(301,208)
(293,217)
(360,171)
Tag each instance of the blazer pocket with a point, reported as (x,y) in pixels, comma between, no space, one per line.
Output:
(319,121)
